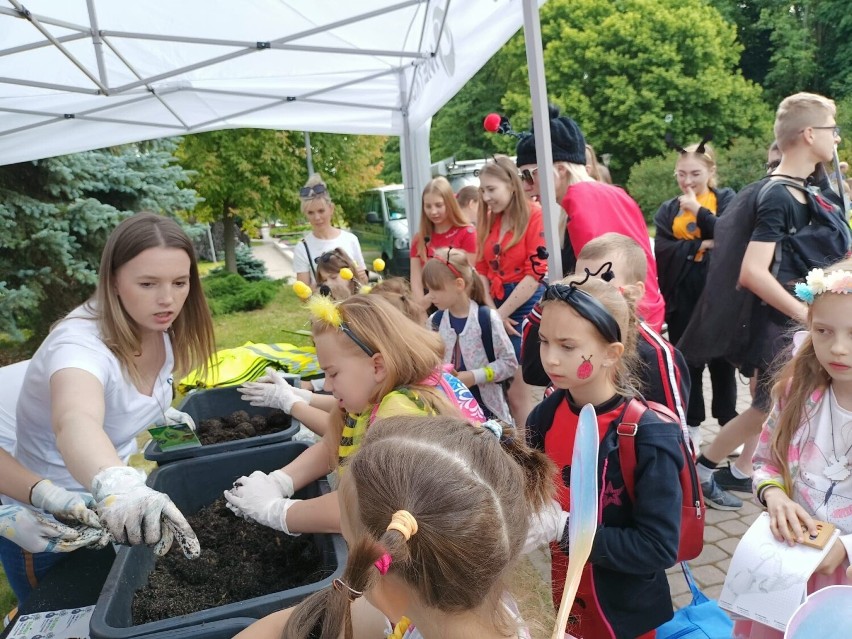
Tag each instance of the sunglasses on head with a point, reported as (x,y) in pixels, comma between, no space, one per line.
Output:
(312,191)
(528,175)
(324,258)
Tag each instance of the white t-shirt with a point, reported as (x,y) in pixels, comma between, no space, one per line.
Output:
(76,343)
(345,240)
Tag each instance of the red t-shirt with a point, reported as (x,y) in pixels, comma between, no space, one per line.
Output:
(595,208)
(460,237)
(510,265)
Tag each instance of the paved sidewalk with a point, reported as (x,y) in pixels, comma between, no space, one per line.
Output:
(722,529)
(277,257)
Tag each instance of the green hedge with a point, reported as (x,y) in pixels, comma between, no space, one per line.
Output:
(231,293)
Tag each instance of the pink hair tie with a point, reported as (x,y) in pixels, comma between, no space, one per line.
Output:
(383,563)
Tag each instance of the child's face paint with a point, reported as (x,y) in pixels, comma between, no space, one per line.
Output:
(350,375)
(585,370)
(573,354)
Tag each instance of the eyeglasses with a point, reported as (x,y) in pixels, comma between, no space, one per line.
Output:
(312,191)
(528,175)
(834,129)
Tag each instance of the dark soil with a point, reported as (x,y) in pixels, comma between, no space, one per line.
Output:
(239,560)
(239,425)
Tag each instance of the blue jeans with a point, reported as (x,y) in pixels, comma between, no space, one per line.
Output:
(23,569)
(520,314)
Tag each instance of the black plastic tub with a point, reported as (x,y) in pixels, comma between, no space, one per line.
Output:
(193,484)
(222,629)
(217,402)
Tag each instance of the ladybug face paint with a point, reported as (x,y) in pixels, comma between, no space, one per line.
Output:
(584,370)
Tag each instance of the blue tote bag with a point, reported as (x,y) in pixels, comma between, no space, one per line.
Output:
(701,619)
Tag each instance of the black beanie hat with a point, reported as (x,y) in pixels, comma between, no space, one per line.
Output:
(566,140)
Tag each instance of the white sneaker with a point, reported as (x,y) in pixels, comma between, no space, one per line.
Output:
(695,438)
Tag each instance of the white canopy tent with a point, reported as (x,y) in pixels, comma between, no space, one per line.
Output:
(77,75)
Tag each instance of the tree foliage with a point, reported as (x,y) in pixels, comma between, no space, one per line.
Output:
(630,70)
(56,214)
(250,176)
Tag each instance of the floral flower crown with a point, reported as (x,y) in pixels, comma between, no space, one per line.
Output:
(818,282)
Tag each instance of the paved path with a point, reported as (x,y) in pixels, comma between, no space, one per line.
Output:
(722,529)
(277,257)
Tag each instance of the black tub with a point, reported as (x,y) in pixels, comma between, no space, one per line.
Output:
(216,402)
(193,484)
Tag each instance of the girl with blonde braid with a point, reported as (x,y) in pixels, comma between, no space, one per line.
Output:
(431,512)
(377,363)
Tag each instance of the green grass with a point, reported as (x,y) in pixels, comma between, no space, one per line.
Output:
(7,598)
(269,325)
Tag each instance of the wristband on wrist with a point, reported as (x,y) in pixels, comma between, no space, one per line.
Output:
(479,376)
(769,483)
(489,374)
(31,491)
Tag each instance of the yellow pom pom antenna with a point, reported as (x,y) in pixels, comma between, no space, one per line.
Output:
(302,290)
(366,288)
(346,273)
(378,265)
(324,309)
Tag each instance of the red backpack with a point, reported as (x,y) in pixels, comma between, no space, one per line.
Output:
(692,508)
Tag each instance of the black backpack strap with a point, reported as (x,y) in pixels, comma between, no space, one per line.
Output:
(484,317)
(310,261)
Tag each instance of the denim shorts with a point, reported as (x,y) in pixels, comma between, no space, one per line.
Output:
(24,570)
(520,314)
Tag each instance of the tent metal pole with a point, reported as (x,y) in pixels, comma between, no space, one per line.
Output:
(41,28)
(157,94)
(543,149)
(54,22)
(96,40)
(49,85)
(40,45)
(309,156)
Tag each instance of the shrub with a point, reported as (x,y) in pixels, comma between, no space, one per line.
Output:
(231,293)
(248,265)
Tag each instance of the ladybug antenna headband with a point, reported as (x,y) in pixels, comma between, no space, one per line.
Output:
(700,149)
(586,305)
(496,123)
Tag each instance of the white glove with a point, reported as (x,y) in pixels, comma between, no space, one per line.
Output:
(34,532)
(135,514)
(273,391)
(175,416)
(546,525)
(262,503)
(258,481)
(64,504)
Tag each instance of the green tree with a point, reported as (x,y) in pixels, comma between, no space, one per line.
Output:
(621,68)
(250,176)
(55,216)
(244,175)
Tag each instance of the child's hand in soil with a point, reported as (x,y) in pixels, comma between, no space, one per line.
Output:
(262,502)
(274,391)
(259,481)
(135,514)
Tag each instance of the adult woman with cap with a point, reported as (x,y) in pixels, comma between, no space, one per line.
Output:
(593,208)
(323,237)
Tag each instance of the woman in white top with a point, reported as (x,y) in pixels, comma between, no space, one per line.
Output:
(323,237)
(102,375)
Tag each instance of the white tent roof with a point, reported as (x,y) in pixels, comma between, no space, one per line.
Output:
(77,74)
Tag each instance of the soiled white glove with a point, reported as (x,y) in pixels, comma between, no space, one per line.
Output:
(175,416)
(135,514)
(273,391)
(64,504)
(34,532)
(546,525)
(263,503)
(258,481)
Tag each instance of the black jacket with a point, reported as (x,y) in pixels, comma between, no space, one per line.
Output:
(634,543)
